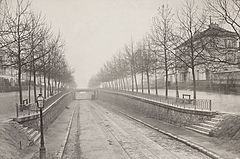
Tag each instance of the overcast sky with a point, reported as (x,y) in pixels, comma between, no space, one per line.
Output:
(94,30)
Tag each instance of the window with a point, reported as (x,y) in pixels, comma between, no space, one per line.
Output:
(197,74)
(1,60)
(229,43)
(235,43)
(225,42)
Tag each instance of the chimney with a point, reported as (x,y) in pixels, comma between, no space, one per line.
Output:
(213,25)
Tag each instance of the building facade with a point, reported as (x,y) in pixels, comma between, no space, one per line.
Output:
(220,49)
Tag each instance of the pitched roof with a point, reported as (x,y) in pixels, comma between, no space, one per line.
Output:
(213,31)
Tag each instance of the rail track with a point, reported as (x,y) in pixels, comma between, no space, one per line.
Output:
(119,137)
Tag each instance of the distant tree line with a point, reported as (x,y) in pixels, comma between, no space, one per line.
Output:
(173,43)
(29,46)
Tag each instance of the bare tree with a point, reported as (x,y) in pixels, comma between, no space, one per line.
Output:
(131,56)
(225,52)
(37,36)
(162,38)
(18,26)
(148,60)
(122,68)
(140,62)
(191,47)
(226,11)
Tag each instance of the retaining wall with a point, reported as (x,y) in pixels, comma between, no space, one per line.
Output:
(49,114)
(153,109)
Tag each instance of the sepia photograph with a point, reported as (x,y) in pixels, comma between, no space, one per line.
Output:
(119,79)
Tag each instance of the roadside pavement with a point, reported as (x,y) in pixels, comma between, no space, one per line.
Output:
(56,133)
(217,146)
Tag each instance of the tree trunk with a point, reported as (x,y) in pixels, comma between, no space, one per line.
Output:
(55,82)
(142,82)
(58,86)
(29,84)
(49,85)
(127,82)
(166,72)
(120,84)
(44,81)
(40,80)
(109,84)
(112,83)
(193,67)
(156,84)
(176,81)
(148,82)
(20,83)
(136,85)
(132,82)
(194,84)
(124,83)
(34,82)
(19,61)
(115,85)
(52,86)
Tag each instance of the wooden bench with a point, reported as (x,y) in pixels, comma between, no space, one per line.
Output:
(187,100)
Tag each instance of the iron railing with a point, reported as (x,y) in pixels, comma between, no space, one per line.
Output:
(198,104)
(31,108)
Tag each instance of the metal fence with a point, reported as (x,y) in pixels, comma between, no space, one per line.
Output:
(31,108)
(198,104)
(26,109)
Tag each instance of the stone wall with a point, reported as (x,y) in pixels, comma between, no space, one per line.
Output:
(49,114)
(165,112)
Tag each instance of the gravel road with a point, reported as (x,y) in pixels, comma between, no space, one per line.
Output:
(100,133)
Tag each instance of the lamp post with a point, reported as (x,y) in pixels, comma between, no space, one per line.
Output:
(40,104)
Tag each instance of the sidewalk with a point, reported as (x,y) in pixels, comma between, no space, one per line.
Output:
(210,143)
(55,134)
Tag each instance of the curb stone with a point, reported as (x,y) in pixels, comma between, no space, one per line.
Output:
(59,154)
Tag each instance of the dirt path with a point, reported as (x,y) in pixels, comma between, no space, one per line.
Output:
(99,133)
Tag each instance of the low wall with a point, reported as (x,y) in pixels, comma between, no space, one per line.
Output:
(152,109)
(49,114)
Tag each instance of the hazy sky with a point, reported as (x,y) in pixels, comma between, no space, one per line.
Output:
(94,30)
